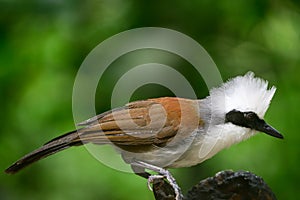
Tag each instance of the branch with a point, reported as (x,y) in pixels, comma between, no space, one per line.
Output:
(224,185)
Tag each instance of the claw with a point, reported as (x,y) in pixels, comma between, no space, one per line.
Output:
(151,180)
(163,173)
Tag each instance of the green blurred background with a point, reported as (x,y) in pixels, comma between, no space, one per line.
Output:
(43,43)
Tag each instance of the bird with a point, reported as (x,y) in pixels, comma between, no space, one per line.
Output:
(172,132)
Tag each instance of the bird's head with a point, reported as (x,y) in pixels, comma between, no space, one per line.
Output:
(243,102)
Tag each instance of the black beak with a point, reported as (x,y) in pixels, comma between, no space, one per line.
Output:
(266,128)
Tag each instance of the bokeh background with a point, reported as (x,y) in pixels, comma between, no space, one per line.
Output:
(43,43)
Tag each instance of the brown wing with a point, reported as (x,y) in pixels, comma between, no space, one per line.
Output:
(149,122)
(135,127)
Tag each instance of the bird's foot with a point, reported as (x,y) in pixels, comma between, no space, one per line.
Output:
(163,173)
(151,179)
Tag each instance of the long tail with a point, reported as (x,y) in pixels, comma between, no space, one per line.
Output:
(57,144)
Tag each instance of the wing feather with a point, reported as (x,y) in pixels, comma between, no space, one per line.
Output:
(153,122)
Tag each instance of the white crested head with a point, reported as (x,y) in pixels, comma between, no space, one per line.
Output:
(242,93)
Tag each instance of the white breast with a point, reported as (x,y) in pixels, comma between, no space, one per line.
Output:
(214,140)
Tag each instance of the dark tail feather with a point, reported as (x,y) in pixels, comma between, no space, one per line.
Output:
(54,146)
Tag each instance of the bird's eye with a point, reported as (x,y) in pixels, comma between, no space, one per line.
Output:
(249,115)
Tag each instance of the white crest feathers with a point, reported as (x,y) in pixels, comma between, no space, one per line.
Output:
(243,93)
